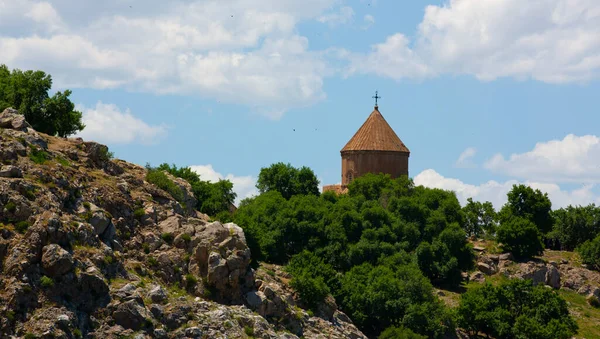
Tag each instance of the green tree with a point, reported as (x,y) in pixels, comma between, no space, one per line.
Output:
(520,237)
(573,226)
(480,218)
(212,198)
(287,180)
(533,205)
(590,252)
(515,309)
(28,93)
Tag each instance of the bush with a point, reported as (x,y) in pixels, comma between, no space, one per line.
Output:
(160,179)
(520,237)
(167,237)
(590,253)
(46,282)
(515,309)
(190,281)
(400,333)
(139,213)
(11,207)
(22,226)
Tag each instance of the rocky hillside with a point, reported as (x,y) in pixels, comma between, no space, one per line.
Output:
(89,248)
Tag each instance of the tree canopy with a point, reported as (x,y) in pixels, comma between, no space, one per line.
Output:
(287,180)
(27,91)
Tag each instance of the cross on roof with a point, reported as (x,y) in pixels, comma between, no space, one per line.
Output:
(376,97)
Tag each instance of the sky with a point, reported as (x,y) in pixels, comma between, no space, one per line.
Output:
(485,93)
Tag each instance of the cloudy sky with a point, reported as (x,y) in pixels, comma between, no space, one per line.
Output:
(485,93)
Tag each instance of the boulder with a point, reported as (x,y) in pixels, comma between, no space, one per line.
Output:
(222,259)
(99,221)
(55,260)
(486,268)
(157,294)
(10,118)
(10,171)
(553,276)
(477,277)
(131,315)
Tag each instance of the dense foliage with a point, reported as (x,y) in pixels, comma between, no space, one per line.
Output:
(480,218)
(28,93)
(573,226)
(520,237)
(287,180)
(373,249)
(527,203)
(515,309)
(214,199)
(590,252)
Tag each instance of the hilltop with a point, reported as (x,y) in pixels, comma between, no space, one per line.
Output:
(89,247)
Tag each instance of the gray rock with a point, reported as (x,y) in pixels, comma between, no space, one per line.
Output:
(10,171)
(10,118)
(193,332)
(130,315)
(99,221)
(159,333)
(505,256)
(477,277)
(157,294)
(486,268)
(55,260)
(553,277)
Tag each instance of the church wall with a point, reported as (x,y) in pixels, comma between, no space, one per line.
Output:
(362,162)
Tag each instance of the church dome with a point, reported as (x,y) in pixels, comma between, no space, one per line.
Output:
(375,134)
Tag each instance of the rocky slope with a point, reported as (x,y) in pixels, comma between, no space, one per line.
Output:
(89,248)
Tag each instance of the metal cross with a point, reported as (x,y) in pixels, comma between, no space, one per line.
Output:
(376,97)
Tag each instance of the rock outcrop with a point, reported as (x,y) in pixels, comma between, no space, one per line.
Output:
(89,248)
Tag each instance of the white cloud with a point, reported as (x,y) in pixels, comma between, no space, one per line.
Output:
(574,159)
(464,160)
(392,58)
(495,192)
(553,41)
(244,186)
(106,123)
(368,21)
(344,16)
(241,51)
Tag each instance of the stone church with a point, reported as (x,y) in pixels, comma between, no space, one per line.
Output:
(374,148)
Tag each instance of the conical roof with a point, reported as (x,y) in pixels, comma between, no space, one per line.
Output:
(375,134)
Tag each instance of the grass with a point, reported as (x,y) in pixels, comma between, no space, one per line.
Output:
(38,156)
(587,317)
(64,162)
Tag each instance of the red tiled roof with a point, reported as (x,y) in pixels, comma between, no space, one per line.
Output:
(375,134)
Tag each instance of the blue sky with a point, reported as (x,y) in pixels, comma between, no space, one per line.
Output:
(484,93)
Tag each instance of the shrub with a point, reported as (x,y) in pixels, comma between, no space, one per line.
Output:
(249,330)
(190,281)
(46,282)
(400,333)
(139,213)
(167,237)
(152,261)
(521,237)
(186,237)
(590,252)
(160,179)
(87,205)
(22,226)
(11,207)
